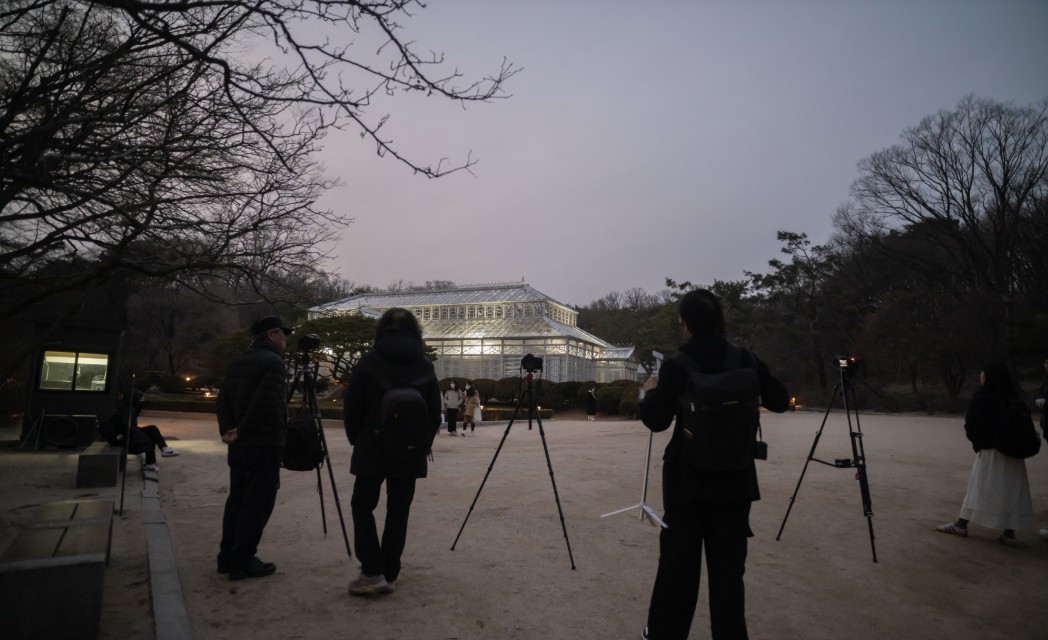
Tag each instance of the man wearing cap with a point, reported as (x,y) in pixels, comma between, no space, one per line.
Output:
(252,418)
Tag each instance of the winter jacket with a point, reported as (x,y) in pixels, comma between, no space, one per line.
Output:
(979,419)
(452,398)
(471,403)
(252,399)
(401,359)
(681,482)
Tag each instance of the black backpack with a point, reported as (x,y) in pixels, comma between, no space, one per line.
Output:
(719,414)
(303,450)
(1013,431)
(405,427)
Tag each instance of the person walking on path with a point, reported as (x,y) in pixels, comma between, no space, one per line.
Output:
(399,358)
(470,408)
(451,400)
(998,494)
(705,510)
(591,404)
(252,419)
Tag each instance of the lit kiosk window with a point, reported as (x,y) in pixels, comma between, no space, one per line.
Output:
(74,371)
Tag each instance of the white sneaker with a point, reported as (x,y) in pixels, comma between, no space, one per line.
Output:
(152,467)
(1043,533)
(369,585)
(168,452)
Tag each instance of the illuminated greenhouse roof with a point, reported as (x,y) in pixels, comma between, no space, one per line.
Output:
(479,294)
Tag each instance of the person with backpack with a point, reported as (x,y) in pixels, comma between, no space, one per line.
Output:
(391,415)
(451,400)
(708,481)
(998,494)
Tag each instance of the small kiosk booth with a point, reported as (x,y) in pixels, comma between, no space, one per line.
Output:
(73,384)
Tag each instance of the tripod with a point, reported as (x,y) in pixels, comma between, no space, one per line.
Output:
(532,411)
(858,459)
(646,512)
(304,379)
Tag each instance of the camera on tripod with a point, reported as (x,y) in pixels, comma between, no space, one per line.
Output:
(848,365)
(308,342)
(531,363)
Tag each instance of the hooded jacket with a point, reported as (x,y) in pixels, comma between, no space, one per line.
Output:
(401,358)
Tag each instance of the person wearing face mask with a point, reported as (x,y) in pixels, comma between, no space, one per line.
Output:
(470,407)
(451,400)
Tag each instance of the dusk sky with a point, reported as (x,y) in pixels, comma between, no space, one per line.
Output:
(668,138)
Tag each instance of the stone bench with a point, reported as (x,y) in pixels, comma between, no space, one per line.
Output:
(52,575)
(99,465)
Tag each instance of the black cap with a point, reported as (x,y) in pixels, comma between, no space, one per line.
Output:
(262,325)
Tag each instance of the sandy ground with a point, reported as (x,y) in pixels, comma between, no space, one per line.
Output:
(510,574)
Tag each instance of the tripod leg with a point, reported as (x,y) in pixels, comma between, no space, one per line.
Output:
(320,494)
(488,473)
(859,453)
(811,454)
(556,496)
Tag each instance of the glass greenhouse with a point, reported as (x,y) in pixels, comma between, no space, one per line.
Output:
(484,331)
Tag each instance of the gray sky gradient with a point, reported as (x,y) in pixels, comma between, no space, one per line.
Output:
(669,138)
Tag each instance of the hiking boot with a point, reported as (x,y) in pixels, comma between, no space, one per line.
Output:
(952,529)
(369,585)
(254,569)
(168,452)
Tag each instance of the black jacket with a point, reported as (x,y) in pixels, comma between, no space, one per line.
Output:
(979,419)
(253,398)
(682,483)
(401,358)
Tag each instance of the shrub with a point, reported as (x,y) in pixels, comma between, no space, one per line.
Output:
(485,387)
(506,388)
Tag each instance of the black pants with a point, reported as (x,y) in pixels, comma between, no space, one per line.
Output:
(145,440)
(384,557)
(452,415)
(254,478)
(722,530)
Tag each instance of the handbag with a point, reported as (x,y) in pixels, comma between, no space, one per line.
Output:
(1013,432)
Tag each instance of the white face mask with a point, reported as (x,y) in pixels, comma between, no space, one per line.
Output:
(452,385)
(467,386)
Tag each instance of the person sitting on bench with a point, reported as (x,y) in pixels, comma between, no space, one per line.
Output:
(141,439)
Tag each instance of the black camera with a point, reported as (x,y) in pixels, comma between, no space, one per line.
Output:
(531,363)
(847,363)
(308,342)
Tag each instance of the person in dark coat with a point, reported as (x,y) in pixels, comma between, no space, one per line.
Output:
(252,419)
(591,404)
(705,510)
(399,355)
(998,494)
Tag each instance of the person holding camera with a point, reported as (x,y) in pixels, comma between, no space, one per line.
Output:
(398,360)
(705,509)
(252,419)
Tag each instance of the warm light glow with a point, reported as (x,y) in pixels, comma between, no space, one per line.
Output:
(188,378)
